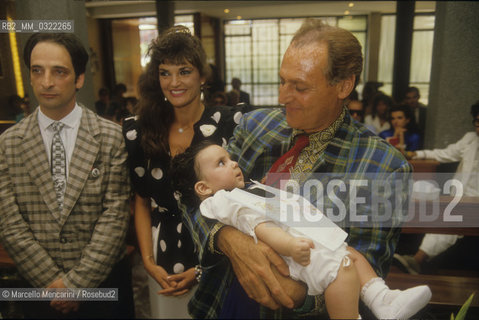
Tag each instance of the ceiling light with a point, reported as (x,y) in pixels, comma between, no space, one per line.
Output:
(346,12)
(226,10)
(239,17)
(351,4)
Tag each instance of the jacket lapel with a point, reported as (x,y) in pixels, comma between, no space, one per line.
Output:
(83,158)
(34,156)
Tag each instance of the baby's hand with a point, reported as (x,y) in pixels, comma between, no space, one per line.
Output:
(300,250)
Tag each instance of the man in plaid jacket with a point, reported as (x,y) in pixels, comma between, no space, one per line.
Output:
(77,241)
(319,70)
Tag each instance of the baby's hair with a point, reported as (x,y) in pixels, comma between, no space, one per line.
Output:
(184,173)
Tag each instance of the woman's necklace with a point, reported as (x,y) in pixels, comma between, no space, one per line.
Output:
(190,126)
(183,129)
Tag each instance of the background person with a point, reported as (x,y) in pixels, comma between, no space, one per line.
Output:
(356,110)
(419,109)
(243,96)
(171,117)
(378,119)
(403,134)
(466,150)
(117,101)
(103,102)
(64,189)
(370,90)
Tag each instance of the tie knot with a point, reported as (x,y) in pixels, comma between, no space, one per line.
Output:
(301,142)
(57,126)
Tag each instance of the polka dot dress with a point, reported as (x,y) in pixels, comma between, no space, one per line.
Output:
(172,241)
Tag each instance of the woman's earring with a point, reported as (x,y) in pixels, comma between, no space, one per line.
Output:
(202,95)
(166,99)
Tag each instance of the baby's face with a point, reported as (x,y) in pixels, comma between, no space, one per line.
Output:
(218,170)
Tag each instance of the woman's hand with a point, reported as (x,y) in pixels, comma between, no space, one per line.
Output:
(184,281)
(160,275)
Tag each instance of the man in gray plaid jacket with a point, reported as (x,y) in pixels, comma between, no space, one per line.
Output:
(72,236)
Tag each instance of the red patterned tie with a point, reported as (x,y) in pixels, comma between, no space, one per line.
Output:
(282,167)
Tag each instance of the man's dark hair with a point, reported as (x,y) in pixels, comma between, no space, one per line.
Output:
(413,89)
(381,97)
(103,92)
(408,114)
(72,44)
(184,173)
(236,83)
(475,109)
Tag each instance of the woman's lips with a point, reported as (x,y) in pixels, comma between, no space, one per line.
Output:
(177,93)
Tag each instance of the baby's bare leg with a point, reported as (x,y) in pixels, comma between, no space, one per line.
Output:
(365,271)
(342,295)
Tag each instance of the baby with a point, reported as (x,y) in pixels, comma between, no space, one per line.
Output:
(205,173)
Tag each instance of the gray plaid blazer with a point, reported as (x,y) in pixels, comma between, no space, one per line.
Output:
(82,242)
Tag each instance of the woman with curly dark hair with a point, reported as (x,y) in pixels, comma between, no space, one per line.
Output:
(378,119)
(171,117)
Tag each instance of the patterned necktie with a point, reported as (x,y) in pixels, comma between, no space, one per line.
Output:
(282,167)
(58,163)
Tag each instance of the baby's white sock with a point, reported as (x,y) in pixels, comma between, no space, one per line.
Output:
(393,304)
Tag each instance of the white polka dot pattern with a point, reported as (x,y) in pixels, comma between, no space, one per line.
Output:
(216,116)
(163,245)
(207,130)
(237,117)
(178,268)
(131,135)
(157,173)
(140,171)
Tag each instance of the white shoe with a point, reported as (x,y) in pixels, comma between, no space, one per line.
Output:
(403,304)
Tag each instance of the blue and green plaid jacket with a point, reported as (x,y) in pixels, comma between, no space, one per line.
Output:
(260,139)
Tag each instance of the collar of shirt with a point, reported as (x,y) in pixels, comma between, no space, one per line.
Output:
(318,142)
(68,134)
(71,120)
(321,138)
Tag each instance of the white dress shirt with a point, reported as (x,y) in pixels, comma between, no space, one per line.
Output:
(466,151)
(68,134)
(375,123)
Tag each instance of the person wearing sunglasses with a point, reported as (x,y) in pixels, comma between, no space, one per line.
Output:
(356,110)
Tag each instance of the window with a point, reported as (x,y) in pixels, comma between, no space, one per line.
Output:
(254,48)
(421,53)
(149,31)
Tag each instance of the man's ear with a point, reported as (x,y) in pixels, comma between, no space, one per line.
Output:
(345,87)
(202,189)
(80,80)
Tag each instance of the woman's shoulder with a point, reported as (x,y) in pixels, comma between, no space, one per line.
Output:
(386,133)
(368,119)
(224,114)
(131,132)
(130,123)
